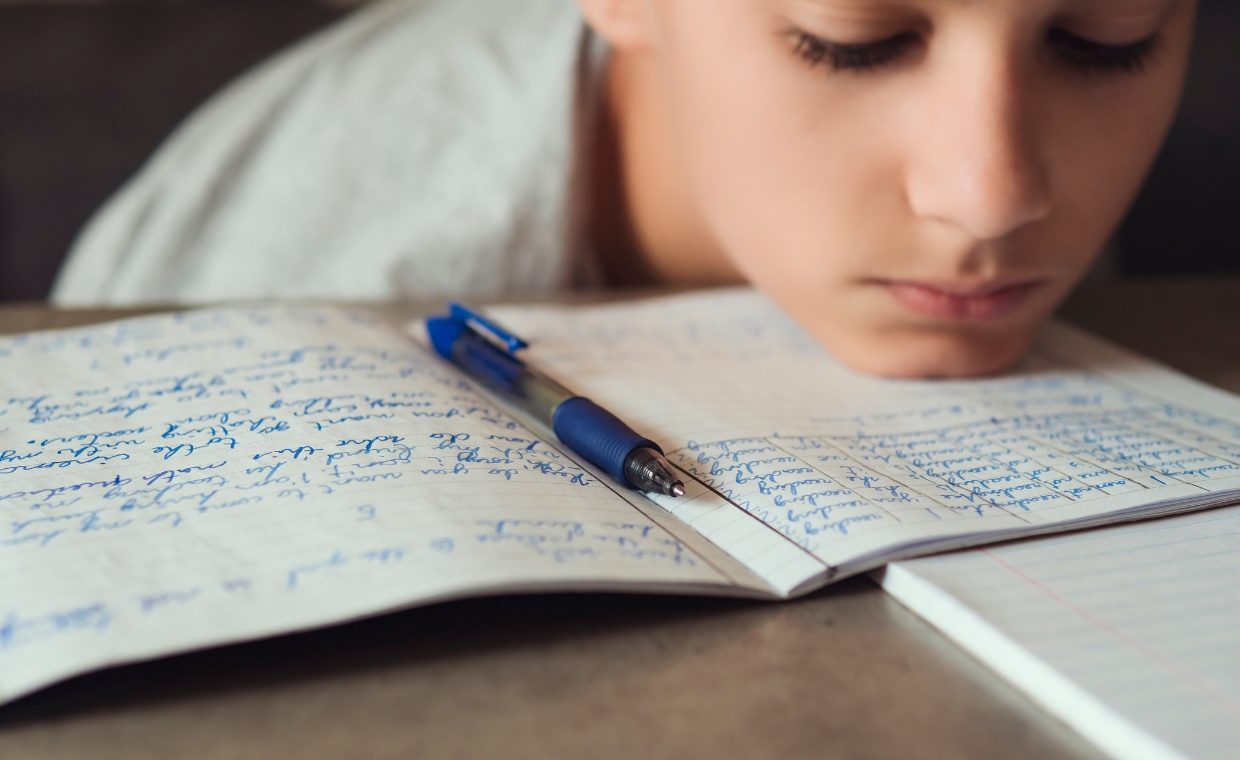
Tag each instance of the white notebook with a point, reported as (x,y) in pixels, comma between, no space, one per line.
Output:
(1130,634)
(181,481)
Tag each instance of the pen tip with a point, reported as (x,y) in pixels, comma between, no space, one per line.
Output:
(678,489)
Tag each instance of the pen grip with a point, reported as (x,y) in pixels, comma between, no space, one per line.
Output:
(598,435)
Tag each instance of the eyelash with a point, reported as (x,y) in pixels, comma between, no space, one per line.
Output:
(1091,56)
(841,57)
(1084,55)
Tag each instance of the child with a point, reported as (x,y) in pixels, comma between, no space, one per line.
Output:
(919,183)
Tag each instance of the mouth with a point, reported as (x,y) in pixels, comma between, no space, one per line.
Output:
(961,302)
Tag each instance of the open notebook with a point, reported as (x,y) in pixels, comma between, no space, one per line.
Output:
(174,482)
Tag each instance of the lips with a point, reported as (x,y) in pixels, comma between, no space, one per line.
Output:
(961,302)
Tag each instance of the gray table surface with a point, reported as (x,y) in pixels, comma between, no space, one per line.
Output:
(845,672)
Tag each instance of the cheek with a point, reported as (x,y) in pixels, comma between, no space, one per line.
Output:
(1101,169)
(777,165)
(1105,140)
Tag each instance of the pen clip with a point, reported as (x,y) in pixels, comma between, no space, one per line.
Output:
(480,324)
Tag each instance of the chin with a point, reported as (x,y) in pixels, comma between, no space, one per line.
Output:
(930,355)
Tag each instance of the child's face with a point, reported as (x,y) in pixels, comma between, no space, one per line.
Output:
(919,182)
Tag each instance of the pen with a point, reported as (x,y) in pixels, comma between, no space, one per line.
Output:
(487,353)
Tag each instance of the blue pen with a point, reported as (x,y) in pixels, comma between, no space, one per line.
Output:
(487,353)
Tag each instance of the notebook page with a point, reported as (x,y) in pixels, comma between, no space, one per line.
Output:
(857,470)
(1126,633)
(180,481)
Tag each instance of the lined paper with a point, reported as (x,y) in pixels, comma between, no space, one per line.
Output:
(859,470)
(180,481)
(1127,633)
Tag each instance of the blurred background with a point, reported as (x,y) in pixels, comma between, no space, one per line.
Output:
(88,88)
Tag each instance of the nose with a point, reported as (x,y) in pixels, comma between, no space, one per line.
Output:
(977,163)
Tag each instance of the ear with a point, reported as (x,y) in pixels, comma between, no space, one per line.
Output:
(623,23)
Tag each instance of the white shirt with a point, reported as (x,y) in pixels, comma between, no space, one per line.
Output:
(418,148)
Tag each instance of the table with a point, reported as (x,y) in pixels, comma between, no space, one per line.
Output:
(845,672)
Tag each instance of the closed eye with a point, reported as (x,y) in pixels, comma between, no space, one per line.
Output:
(1077,52)
(839,56)
(1090,56)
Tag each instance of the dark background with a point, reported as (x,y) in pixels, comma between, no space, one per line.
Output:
(89,89)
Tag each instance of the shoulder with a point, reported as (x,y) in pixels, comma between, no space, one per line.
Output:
(406,112)
(436,40)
